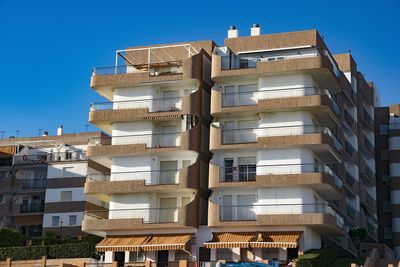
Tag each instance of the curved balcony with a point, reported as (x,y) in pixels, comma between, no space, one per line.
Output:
(104,114)
(183,67)
(321,177)
(318,101)
(98,221)
(147,143)
(321,67)
(101,186)
(319,139)
(318,216)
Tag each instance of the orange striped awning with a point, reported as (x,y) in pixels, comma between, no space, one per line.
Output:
(145,242)
(168,242)
(8,150)
(231,240)
(122,243)
(277,240)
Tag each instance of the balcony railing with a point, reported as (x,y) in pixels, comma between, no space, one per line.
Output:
(370,200)
(154,177)
(369,173)
(248,172)
(348,147)
(34,184)
(154,105)
(151,140)
(349,118)
(368,145)
(251,98)
(371,226)
(154,69)
(350,179)
(351,211)
(145,215)
(367,117)
(250,212)
(31,208)
(250,135)
(44,158)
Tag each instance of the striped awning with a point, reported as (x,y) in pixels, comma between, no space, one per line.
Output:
(8,150)
(230,240)
(145,242)
(122,243)
(164,117)
(277,240)
(254,239)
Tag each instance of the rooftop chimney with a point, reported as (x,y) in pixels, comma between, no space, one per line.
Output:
(255,30)
(233,32)
(60,130)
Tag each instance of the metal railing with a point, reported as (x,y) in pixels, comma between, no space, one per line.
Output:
(152,177)
(251,98)
(349,118)
(351,211)
(154,105)
(350,179)
(31,208)
(367,117)
(368,145)
(44,158)
(369,200)
(248,172)
(154,69)
(33,183)
(250,212)
(250,135)
(151,140)
(146,215)
(348,147)
(368,173)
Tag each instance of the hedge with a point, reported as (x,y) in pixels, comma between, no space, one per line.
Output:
(317,258)
(77,250)
(10,238)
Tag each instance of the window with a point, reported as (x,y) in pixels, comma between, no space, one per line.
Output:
(385,178)
(229,96)
(55,221)
(270,253)
(68,171)
(72,220)
(243,63)
(387,206)
(204,254)
(224,254)
(136,256)
(181,255)
(65,196)
(68,155)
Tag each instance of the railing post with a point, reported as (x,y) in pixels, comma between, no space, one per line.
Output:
(147,264)
(8,262)
(183,263)
(114,264)
(43,261)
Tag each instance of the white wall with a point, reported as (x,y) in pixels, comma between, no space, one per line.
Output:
(55,171)
(53,195)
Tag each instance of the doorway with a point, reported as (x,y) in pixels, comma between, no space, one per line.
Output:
(162,258)
(119,257)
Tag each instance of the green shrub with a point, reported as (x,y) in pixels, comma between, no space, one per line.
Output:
(9,238)
(77,250)
(22,253)
(317,258)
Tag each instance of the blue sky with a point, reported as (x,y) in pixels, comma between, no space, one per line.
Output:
(47,48)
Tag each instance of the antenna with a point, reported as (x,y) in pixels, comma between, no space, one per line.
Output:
(2,134)
(17,131)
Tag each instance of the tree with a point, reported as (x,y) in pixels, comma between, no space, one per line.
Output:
(357,235)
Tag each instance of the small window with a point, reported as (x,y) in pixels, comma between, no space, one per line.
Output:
(387,206)
(65,196)
(387,233)
(72,220)
(55,221)
(136,256)
(280,58)
(224,254)
(385,178)
(271,59)
(68,155)
(204,254)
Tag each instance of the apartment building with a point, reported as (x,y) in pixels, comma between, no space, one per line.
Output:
(41,181)
(152,177)
(387,143)
(291,124)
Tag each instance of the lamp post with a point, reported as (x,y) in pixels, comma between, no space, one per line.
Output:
(61,223)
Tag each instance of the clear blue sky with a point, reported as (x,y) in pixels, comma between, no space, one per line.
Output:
(47,48)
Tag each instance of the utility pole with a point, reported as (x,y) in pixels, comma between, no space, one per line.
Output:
(17,131)
(40,132)
(2,134)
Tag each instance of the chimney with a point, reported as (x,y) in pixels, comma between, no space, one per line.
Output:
(60,130)
(255,30)
(45,133)
(233,32)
